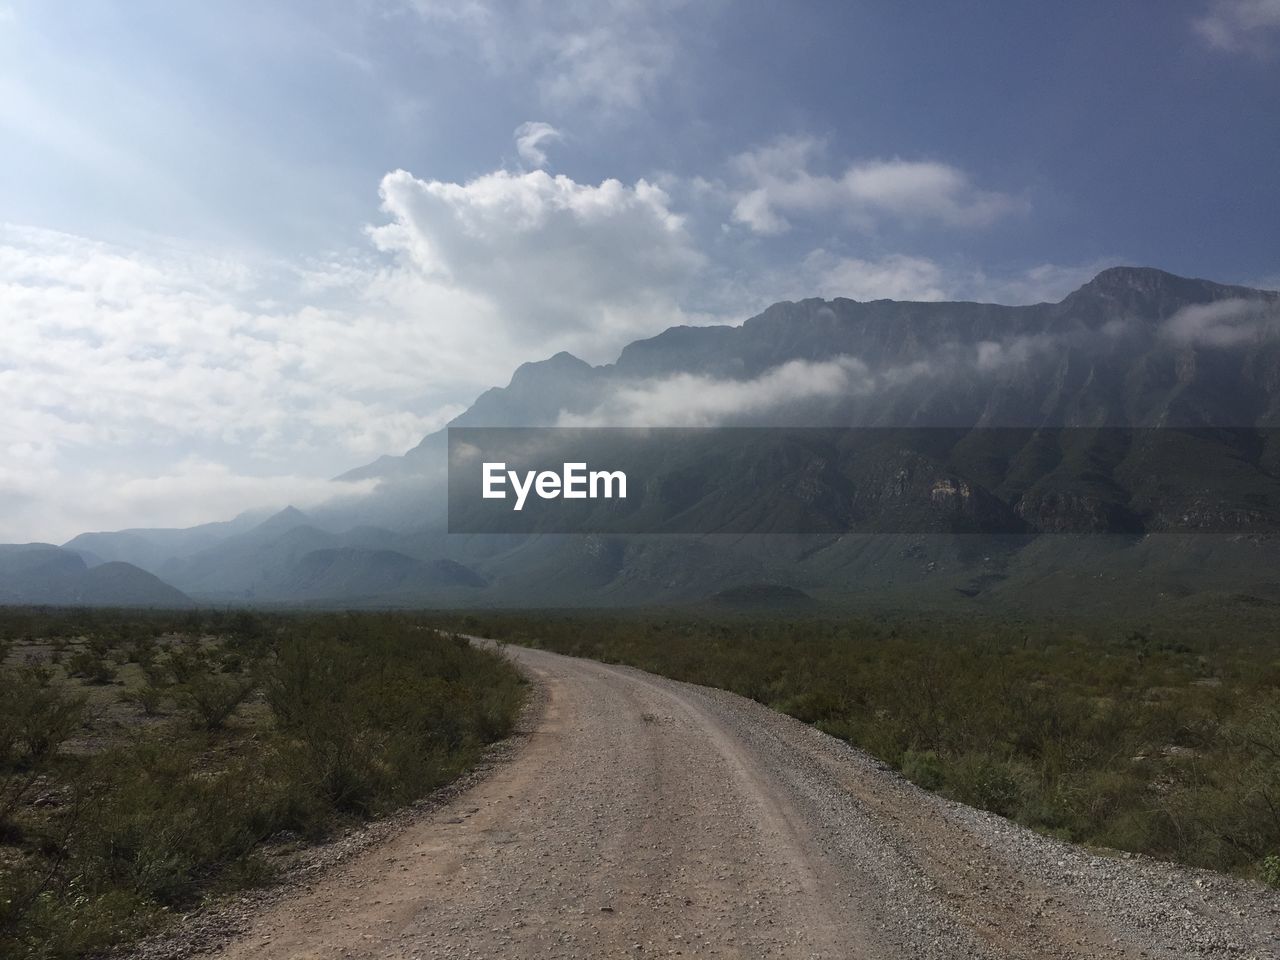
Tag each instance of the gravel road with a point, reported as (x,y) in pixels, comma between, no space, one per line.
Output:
(644,817)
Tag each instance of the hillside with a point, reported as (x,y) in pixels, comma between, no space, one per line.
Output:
(44,575)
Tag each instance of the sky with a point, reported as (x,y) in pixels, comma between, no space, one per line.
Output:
(245,247)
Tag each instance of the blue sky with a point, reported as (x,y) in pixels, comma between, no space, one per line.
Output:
(249,245)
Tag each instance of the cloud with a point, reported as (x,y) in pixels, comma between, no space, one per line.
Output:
(1226,323)
(689,400)
(610,56)
(893,277)
(530,136)
(122,362)
(1234,25)
(790,391)
(41,502)
(898,276)
(780,185)
(555,264)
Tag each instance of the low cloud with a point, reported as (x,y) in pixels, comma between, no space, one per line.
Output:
(40,501)
(781,185)
(786,393)
(1226,323)
(689,400)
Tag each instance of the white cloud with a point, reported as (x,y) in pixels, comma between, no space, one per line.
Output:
(555,264)
(118,362)
(530,137)
(39,501)
(130,360)
(1232,25)
(791,392)
(1226,323)
(689,400)
(893,277)
(898,276)
(781,185)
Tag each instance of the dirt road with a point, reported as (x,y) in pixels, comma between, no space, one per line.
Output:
(643,817)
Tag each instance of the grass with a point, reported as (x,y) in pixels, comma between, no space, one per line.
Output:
(1156,738)
(148,761)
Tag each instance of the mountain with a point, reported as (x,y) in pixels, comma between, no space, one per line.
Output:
(152,549)
(1133,349)
(42,574)
(1104,355)
(289,558)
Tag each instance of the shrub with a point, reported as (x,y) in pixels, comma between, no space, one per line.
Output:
(35,717)
(148,698)
(164,827)
(211,700)
(923,769)
(984,781)
(92,665)
(143,651)
(1269,871)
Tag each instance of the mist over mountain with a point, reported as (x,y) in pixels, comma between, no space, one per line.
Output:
(1134,347)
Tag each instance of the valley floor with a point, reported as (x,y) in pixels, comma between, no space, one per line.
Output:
(646,817)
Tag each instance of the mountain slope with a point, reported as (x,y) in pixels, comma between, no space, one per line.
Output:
(42,574)
(1104,355)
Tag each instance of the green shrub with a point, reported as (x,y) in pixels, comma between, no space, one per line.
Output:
(92,665)
(984,781)
(1269,871)
(35,717)
(923,769)
(148,698)
(211,700)
(163,827)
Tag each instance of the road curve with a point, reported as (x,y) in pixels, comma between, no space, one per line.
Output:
(643,817)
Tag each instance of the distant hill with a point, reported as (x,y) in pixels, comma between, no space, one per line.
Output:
(153,548)
(42,574)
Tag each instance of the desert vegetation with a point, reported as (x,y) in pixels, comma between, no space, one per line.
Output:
(150,760)
(1156,738)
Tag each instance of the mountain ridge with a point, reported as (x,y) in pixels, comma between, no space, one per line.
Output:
(1105,355)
